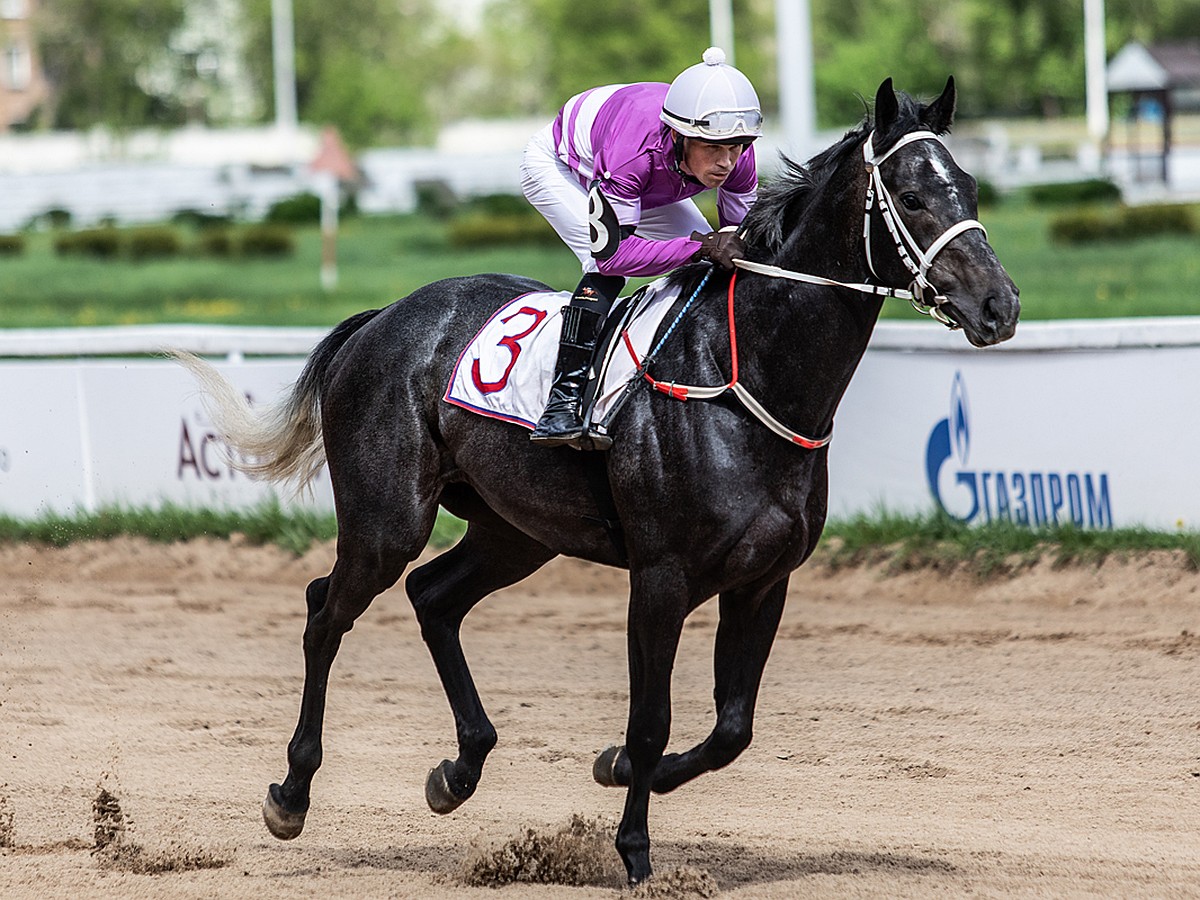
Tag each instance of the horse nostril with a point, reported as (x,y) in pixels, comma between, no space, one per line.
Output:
(990,317)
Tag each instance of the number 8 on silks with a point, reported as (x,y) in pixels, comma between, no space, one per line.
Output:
(603,227)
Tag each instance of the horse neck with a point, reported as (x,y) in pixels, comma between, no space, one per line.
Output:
(826,239)
(801,343)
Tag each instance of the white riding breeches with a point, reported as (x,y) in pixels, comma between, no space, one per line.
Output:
(555,191)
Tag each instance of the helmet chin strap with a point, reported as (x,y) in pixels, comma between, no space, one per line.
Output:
(916,260)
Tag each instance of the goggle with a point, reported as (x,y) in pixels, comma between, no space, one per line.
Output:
(725,123)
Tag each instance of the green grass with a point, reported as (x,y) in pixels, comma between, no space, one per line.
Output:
(292,530)
(1157,276)
(899,543)
(382,259)
(996,548)
(379,260)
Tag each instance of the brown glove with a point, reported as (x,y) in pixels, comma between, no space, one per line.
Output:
(722,247)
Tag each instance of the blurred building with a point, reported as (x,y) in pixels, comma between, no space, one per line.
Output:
(22,84)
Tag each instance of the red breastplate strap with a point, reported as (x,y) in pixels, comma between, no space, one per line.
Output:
(695,392)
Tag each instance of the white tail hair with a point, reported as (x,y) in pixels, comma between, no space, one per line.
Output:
(278,443)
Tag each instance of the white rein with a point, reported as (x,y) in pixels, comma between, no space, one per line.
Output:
(906,245)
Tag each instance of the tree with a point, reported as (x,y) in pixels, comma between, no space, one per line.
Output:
(377,69)
(563,49)
(99,59)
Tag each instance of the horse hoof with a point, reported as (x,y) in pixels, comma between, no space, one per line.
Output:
(281,823)
(438,793)
(604,769)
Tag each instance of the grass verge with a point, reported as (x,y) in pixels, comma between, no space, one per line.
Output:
(383,258)
(899,542)
(293,530)
(989,550)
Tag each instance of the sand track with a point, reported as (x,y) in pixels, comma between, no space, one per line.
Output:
(918,734)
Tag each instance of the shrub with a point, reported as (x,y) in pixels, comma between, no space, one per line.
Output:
(157,242)
(1125,223)
(301,209)
(989,194)
(103,243)
(214,242)
(11,245)
(1083,226)
(480,230)
(435,198)
(58,217)
(1157,218)
(195,218)
(1093,190)
(55,218)
(267,241)
(499,205)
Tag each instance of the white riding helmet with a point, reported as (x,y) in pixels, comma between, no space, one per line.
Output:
(713,102)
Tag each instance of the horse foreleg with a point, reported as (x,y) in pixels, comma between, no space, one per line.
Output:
(745,634)
(442,592)
(655,623)
(334,602)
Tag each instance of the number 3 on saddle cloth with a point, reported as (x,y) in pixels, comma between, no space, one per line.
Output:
(506,371)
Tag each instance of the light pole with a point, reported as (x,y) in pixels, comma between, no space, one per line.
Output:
(1094,69)
(797,94)
(283,51)
(720,26)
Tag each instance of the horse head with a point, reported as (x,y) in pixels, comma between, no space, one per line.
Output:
(889,205)
(920,223)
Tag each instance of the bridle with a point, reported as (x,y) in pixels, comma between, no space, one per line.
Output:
(921,293)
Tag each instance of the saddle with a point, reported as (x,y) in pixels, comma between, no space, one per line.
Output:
(506,370)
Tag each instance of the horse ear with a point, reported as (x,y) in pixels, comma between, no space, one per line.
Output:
(939,114)
(886,106)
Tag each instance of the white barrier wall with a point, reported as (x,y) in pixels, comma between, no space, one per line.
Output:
(84,435)
(1070,422)
(1084,422)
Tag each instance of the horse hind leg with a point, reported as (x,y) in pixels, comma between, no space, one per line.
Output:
(334,603)
(744,638)
(488,557)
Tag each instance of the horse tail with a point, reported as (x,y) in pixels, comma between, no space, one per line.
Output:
(281,442)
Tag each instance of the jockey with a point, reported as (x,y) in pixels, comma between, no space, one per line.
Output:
(613,175)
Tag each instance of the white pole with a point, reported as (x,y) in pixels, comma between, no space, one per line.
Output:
(797,93)
(283,50)
(327,184)
(720,22)
(1095,63)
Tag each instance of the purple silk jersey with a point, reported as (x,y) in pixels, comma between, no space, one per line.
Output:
(613,135)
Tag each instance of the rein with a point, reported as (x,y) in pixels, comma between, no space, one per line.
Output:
(733,386)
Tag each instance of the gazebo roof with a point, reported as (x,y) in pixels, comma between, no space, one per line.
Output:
(1158,67)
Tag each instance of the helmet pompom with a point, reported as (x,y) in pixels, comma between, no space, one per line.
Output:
(713,101)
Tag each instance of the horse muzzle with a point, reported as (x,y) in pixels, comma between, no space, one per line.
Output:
(988,321)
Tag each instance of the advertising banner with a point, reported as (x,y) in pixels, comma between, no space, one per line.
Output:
(1098,438)
(90,434)
(1069,423)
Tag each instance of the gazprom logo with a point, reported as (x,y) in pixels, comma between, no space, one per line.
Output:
(985,494)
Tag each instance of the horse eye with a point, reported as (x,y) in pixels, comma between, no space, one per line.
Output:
(911,201)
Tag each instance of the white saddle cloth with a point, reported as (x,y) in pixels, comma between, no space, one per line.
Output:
(507,369)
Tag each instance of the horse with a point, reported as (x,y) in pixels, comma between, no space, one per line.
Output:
(708,501)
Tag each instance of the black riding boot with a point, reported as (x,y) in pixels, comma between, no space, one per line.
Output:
(561,423)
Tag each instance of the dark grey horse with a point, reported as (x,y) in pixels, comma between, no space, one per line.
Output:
(710,502)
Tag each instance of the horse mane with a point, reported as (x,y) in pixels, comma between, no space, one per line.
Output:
(783,200)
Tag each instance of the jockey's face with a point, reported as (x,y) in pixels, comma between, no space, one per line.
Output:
(710,164)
